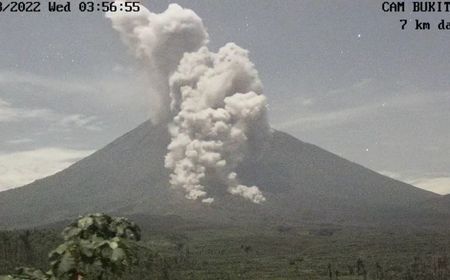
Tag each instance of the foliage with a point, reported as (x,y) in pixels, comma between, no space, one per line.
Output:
(171,250)
(94,246)
(28,273)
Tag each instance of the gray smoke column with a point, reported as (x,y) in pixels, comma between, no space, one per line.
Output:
(212,102)
(159,42)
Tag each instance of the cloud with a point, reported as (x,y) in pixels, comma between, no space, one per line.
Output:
(250,193)
(8,113)
(19,141)
(390,174)
(159,41)
(5,111)
(440,185)
(22,79)
(121,96)
(212,102)
(220,114)
(21,168)
(320,114)
(326,119)
(436,184)
(80,121)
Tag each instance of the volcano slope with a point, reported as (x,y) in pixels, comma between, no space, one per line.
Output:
(302,183)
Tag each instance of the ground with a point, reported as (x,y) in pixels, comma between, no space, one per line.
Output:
(281,252)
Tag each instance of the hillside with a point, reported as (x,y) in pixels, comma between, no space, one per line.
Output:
(302,183)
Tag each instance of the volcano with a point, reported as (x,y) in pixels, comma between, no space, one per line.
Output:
(301,182)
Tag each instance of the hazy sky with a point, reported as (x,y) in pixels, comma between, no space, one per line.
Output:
(338,74)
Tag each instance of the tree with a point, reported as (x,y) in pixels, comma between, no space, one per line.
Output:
(94,246)
(25,238)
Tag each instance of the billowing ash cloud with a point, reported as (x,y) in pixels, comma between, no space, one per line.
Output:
(219,111)
(212,102)
(159,42)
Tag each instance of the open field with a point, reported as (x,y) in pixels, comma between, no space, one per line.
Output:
(307,252)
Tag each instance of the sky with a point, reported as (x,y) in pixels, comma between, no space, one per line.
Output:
(339,74)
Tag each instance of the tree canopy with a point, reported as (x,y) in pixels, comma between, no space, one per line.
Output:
(94,246)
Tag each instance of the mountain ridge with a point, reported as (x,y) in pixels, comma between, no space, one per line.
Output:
(302,183)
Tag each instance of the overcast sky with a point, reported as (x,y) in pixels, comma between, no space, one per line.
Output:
(338,74)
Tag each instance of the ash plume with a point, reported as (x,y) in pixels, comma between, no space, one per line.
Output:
(212,102)
(159,41)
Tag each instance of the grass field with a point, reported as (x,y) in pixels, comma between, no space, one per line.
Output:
(308,252)
(301,253)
